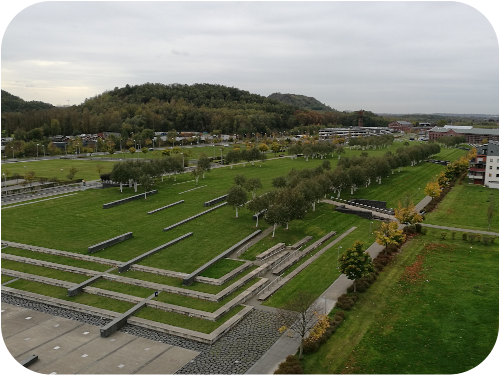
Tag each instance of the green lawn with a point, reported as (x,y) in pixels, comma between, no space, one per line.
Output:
(6,278)
(444,322)
(56,259)
(221,268)
(62,293)
(43,271)
(184,321)
(409,182)
(466,206)
(52,168)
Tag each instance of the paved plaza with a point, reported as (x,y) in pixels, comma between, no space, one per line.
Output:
(67,346)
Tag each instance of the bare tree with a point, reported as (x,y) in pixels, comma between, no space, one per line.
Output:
(300,315)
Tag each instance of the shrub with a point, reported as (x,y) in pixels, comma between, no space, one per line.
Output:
(464,236)
(291,365)
(453,234)
(423,231)
(443,235)
(310,346)
(492,239)
(418,228)
(471,237)
(486,240)
(346,302)
(478,237)
(340,313)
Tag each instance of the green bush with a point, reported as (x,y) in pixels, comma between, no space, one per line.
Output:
(418,228)
(464,236)
(291,365)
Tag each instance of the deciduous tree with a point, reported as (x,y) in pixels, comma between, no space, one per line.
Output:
(356,263)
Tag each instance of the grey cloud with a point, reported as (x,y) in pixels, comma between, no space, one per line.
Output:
(404,56)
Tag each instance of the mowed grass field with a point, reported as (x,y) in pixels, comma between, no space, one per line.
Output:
(444,320)
(409,182)
(466,206)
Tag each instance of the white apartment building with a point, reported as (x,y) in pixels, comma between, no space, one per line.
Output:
(492,165)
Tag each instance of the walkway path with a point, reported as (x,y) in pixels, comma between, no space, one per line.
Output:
(460,229)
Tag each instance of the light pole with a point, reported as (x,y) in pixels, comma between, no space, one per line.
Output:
(5,184)
(43,146)
(221,161)
(214,150)
(182,161)
(12,148)
(37,150)
(25,172)
(338,255)
(61,173)
(369,233)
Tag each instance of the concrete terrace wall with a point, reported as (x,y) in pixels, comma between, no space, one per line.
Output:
(194,217)
(129,199)
(368,202)
(110,242)
(125,266)
(215,200)
(167,206)
(188,280)
(364,214)
(89,258)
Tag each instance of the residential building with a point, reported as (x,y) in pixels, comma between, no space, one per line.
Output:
(484,169)
(401,126)
(474,135)
(353,131)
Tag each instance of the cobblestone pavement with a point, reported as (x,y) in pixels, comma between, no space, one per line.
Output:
(234,353)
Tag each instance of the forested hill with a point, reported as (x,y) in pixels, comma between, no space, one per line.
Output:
(11,103)
(301,101)
(198,108)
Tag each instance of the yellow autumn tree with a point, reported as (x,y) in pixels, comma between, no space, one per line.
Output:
(389,234)
(432,189)
(408,214)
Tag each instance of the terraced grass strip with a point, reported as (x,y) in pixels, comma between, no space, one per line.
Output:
(83,298)
(183,321)
(42,271)
(56,259)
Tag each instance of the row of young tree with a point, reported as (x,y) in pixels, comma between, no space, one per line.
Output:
(296,192)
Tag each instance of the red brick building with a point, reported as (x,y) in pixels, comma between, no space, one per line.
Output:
(402,126)
(475,135)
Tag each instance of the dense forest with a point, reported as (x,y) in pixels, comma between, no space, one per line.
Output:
(12,103)
(301,101)
(198,107)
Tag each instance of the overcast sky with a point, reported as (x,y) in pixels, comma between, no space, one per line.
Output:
(399,57)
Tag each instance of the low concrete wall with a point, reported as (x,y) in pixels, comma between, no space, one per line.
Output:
(125,266)
(193,217)
(21,365)
(300,243)
(364,214)
(129,199)
(120,321)
(226,277)
(215,200)
(271,251)
(89,258)
(113,241)
(77,289)
(188,280)
(167,206)
(371,203)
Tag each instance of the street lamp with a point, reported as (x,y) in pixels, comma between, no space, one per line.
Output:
(221,161)
(369,233)
(12,148)
(37,150)
(25,172)
(5,184)
(61,173)
(338,255)
(214,150)
(182,161)
(43,146)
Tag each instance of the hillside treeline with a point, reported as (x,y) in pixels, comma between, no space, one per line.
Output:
(198,107)
(12,103)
